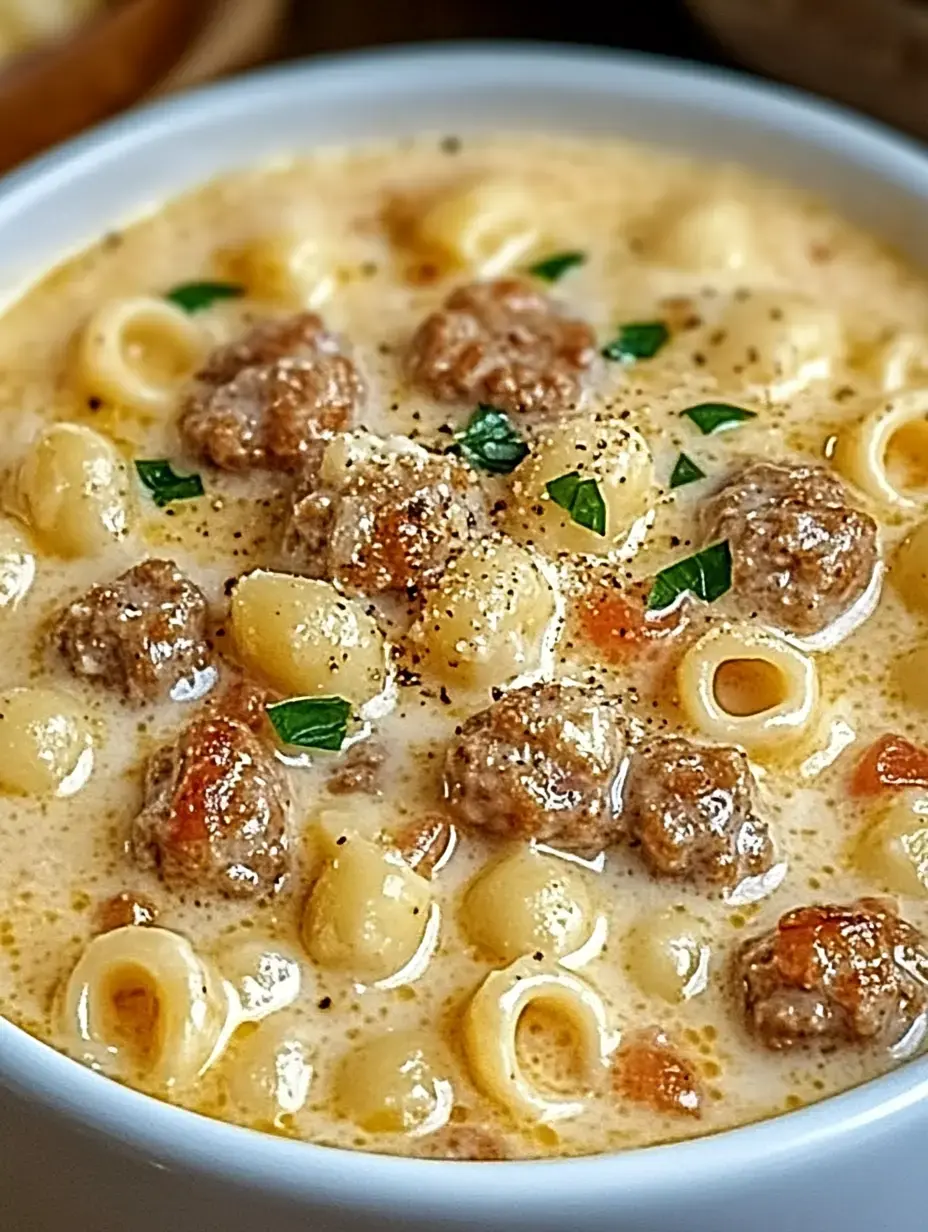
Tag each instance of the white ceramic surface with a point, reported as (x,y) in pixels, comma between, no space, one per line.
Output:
(81,1154)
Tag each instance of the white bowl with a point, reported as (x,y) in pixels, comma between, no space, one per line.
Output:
(82,1153)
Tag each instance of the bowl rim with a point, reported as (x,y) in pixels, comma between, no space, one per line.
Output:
(174,1138)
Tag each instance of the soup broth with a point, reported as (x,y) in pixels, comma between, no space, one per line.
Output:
(484,953)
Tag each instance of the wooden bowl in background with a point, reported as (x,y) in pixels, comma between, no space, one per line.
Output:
(872,54)
(133,49)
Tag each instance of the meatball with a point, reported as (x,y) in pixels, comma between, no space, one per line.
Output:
(540,763)
(690,807)
(801,555)
(359,770)
(125,909)
(388,520)
(268,400)
(215,812)
(649,1071)
(143,634)
(832,975)
(503,343)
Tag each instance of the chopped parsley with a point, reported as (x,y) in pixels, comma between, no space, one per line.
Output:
(712,417)
(195,296)
(637,340)
(164,484)
(685,471)
(311,722)
(491,442)
(707,575)
(581,498)
(555,267)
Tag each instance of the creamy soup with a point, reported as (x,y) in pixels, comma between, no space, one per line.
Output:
(463,665)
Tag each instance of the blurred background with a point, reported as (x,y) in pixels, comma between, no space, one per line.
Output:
(65,64)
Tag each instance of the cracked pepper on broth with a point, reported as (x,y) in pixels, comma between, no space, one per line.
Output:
(464,651)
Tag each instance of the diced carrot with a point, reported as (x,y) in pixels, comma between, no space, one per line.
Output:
(618,623)
(890,764)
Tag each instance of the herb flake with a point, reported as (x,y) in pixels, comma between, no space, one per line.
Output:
(685,471)
(712,417)
(707,575)
(581,498)
(311,722)
(553,268)
(196,296)
(637,340)
(164,484)
(490,442)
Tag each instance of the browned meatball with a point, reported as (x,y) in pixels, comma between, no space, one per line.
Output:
(143,634)
(691,808)
(215,812)
(832,975)
(648,1070)
(503,343)
(539,764)
(389,521)
(468,1142)
(359,770)
(126,909)
(270,398)
(801,555)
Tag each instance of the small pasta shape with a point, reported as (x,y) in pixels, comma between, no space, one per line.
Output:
(491,1036)
(17,564)
(893,849)
(141,999)
(667,954)
(397,1083)
(894,362)
(74,491)
(264,974)
(46,743)
(494,616)
(777,339)
(270,1073)
(284,268)
(741,684)
(616,457)
(486,228)
(530,903)
(703,235)
(886,452)
(369,914)
(306,639)
(138,352)
(909,570)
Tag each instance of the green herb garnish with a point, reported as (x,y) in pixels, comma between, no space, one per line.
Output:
(555,267)
(712,417)
(707,575)
(581,498)
(311,722)
(685,471)
(490,442)
(195,296)
(165,486)
(639,340)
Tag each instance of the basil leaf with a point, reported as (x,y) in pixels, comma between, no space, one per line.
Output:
(685,471)
(195,296)
(707,575)
(490,442)
(311,722)
(555,267)
(712,417)
(639,340)
(158,476)
(581,498)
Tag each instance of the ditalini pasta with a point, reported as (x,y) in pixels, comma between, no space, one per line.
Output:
(463,617)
